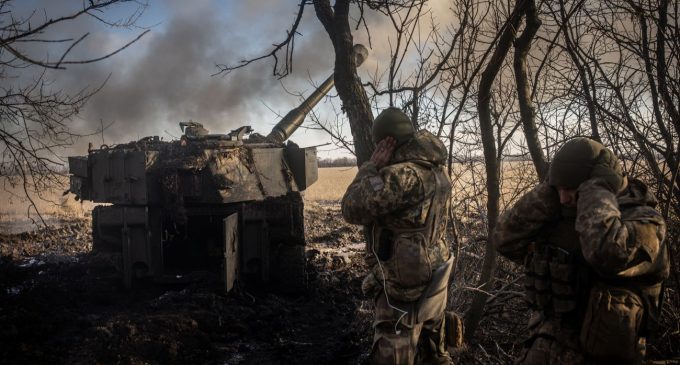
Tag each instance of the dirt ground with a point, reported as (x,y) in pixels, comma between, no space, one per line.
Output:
(61,304)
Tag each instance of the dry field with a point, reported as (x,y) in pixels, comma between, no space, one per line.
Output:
(332,183)
(468,183)
(17,215)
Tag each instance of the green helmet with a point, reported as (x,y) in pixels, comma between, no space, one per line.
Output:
(392,122)
(574,161)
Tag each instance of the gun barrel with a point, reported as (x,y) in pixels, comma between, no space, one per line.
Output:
(292,121)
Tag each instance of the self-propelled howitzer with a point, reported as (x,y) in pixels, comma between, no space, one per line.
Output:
(226,204)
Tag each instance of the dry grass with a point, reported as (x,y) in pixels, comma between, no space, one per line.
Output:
(332,183)
(468,182)
(17,213)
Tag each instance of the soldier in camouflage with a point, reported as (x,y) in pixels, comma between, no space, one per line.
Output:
(592,245)
(401,196)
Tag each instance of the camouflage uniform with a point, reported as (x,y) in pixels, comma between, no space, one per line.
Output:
(593,273)
(404,206)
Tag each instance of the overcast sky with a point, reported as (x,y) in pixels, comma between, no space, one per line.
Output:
(165,78)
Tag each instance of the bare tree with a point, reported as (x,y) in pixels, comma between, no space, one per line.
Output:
(501,49)
(526,108)
(34,116)
(348,84)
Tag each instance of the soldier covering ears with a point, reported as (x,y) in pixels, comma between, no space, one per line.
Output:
(402,195)
(591,242)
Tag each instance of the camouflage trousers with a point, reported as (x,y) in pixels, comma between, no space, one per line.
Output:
(398,341)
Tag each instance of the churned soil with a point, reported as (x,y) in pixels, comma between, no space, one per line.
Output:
(62,304)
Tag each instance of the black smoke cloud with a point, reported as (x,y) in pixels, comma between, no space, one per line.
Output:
(165,78)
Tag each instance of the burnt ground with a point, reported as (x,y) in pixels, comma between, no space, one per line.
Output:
(61,304)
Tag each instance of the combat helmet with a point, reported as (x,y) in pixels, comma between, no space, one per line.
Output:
(392,122)
(574,162)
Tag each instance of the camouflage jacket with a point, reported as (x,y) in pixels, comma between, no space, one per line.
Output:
(620,261)
(398,197)
(621,237)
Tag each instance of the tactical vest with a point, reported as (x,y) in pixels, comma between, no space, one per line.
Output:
(556,276)
(645,280)
(611,316)
(404,254)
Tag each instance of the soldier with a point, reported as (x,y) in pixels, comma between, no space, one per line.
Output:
(592,245)
(401,196)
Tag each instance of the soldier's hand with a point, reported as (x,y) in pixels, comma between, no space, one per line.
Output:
(383,152)
(608,169)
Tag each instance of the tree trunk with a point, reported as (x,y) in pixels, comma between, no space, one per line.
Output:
(526,107)
(348,84)
(474,314)
(669,105)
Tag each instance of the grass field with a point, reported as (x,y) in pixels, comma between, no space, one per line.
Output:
(467,179)
(17,213)
(332,183)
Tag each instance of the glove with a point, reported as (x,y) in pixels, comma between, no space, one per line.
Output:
(608,169)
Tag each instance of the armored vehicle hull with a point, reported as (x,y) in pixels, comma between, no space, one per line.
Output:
(219,203)
(178,210)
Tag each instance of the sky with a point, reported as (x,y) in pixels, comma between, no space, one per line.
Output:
(167,76)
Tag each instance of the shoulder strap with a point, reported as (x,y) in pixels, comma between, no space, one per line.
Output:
(436,212)
(423,163)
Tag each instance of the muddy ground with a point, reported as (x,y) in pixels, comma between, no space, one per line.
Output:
(61,304)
